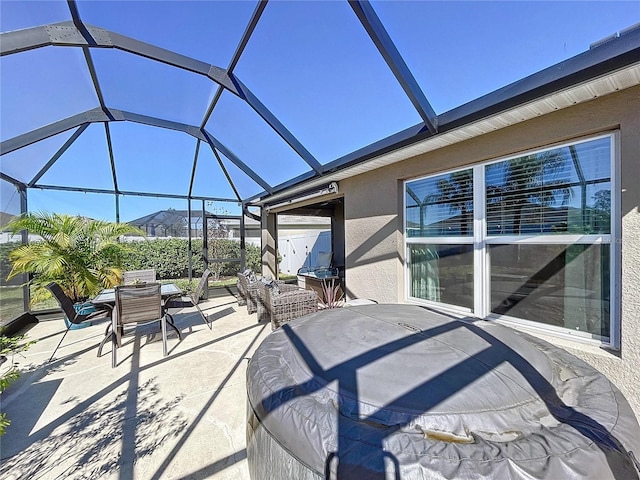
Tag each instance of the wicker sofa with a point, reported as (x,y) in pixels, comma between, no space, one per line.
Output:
(282,302)
(251,292)
(274,300)
(263,310)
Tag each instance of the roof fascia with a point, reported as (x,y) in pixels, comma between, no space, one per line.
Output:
(617,54)
(607,58)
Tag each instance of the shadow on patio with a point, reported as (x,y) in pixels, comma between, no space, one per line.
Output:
(182,416)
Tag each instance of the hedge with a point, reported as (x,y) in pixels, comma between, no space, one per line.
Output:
(170,258)
(5,264)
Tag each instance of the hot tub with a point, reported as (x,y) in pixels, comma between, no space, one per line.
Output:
(404,392)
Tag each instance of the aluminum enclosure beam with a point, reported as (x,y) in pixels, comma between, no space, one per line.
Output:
(68,34)
(253,23)
(127,192)
(215,144)
(93,116)
(275,124)
(112,160)
(58,154)
(194,166)
(374,27)
(75,15)
(227,176)
(12,181)
(97,115)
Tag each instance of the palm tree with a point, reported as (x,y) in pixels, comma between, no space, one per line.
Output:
(80,254)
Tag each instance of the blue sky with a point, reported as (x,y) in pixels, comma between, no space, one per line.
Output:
(310,63)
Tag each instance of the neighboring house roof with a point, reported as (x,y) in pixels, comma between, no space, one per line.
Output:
(5,218)
(179,217)
(166,216)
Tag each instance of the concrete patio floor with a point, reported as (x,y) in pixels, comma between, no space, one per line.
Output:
(152,417)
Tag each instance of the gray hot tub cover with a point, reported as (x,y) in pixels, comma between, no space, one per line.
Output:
(400,391)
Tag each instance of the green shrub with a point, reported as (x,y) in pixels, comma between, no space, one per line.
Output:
(170,257)
(5,263)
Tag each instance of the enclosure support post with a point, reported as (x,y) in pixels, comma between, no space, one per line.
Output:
(205,247)
(269,227)
(243,251)
(189,242)
(26,296)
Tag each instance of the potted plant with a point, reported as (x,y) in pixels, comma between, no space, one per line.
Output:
(332,294)
(82,255)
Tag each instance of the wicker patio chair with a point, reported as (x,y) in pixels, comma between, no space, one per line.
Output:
(242,294)
(286,302)
(242,284)
(262,307)
(250,287)
(74,317)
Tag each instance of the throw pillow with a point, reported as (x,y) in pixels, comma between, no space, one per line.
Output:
(273,286)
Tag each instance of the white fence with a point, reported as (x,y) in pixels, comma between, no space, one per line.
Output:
(302,250)
(296,250)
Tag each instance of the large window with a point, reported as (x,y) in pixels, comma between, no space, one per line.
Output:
(526,239)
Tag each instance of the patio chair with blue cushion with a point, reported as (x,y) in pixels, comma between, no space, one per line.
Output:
(74,317)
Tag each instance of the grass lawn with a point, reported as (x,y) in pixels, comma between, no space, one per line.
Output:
(10,303)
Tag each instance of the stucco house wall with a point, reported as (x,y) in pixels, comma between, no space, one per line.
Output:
(373,202)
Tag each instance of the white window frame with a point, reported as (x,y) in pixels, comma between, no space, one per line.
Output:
(481,241)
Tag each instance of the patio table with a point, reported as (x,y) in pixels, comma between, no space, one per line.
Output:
(108,297)
(406,392)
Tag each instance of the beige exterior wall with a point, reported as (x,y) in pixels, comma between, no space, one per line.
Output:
(374,218)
